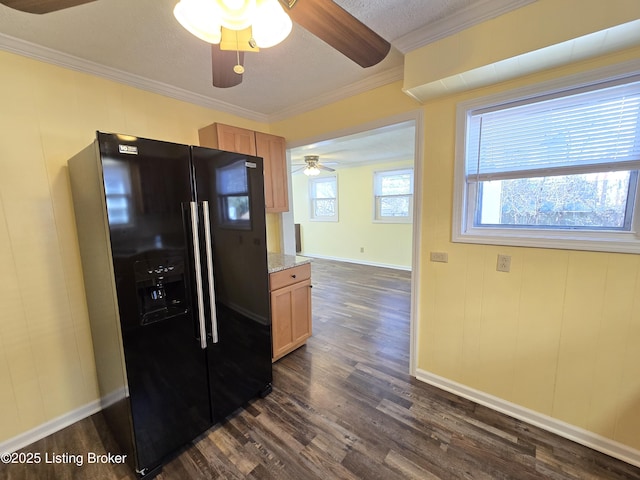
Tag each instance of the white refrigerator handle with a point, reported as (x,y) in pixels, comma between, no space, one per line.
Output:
(196,261)
(212,289)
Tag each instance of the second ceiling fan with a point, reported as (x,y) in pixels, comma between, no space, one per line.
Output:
(312,166)
(324,18)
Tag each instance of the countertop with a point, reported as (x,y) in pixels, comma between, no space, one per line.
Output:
(279,261)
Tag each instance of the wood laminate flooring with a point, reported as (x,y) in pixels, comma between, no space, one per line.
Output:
(344,407)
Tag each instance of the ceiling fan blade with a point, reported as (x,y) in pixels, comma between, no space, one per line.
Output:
(42,6)
(328,169)
(334,25)
(222,63)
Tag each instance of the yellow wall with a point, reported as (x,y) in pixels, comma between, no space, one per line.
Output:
(535,26)
(558,335)
(382,102)
(47,114)
(384,243)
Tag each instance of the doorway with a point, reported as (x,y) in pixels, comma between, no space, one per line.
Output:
(355,209)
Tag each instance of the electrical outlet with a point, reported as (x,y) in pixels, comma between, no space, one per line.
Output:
(504,263)
(442,257)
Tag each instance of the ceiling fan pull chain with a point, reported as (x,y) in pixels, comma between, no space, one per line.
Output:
(239,69)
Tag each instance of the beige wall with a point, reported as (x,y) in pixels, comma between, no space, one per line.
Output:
(47,114)
(385,244)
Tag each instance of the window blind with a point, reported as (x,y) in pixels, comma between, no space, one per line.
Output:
(586,131)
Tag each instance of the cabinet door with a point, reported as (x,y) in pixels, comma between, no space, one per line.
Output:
(272,149)
(291,317)
(229,138)
(301,324)
(236,139)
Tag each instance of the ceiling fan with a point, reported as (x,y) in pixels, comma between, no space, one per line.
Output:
(323,18)
(312,166)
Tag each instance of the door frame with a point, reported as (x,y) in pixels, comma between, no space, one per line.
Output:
(287,224)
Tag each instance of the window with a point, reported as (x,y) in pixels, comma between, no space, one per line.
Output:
(393,196)
(554,170)
(323,192)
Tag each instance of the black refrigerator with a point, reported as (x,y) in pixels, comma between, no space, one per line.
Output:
(173,246)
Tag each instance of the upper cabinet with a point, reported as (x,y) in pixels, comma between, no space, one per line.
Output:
(229,138)
(270,147)
(276,192)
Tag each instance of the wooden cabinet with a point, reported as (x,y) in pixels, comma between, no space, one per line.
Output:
(290,309)
(276,192)
(227,137)
(270,147)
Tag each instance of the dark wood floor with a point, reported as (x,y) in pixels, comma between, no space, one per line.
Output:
(344,407)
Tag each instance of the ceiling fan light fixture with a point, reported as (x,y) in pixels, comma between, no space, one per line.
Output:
(271,24)
(236,14)
(200,18)
(311,171)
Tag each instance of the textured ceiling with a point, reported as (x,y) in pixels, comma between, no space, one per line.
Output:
(392,143)
(139,42)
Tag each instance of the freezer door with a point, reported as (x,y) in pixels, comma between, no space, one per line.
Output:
(148,192)
(230,188)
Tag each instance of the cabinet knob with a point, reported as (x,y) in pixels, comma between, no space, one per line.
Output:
(293,276)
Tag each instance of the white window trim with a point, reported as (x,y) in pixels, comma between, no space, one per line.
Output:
(407,219)
(604,241)
(312,216)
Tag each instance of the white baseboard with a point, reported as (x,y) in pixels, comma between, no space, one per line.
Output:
(550,424)
(47,428)
(113,397)
(359,262)
(563,429)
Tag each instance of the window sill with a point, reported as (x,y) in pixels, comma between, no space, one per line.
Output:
(323,220)
(399,221)
(615,242)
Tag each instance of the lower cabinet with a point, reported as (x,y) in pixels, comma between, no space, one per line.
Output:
(290,309)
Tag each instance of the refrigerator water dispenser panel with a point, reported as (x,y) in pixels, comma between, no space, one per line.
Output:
(161,288)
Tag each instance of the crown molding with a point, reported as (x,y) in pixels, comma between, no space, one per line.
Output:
(477,12)
(373,81)
(54,57)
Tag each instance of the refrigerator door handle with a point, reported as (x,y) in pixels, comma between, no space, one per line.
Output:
(196,260)
(212,290)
